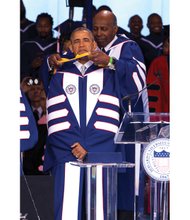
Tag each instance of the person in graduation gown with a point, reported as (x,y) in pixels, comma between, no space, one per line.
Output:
(159,78)
(84,108)
(153,42)
(27,27)
(128,60)
(34,51)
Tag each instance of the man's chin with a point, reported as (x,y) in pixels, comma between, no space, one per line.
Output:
(82,52)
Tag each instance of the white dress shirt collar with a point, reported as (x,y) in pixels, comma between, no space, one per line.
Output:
(87,64)
(110,44)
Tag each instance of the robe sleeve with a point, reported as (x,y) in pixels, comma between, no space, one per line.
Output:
(28,128)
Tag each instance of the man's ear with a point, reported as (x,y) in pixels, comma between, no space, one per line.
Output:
(115,29)
(71,48)
(94,46)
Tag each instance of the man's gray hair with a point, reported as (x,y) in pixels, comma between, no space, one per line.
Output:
(82,29)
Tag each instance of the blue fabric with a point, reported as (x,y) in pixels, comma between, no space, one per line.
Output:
(26,144)
(117,84)
(126,65)
(32,49)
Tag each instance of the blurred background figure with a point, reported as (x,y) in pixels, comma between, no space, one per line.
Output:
(159,92)
(135,26)
(64,43)
(35,50)
(33,158)
(66,27)
(27,27)
(153,41)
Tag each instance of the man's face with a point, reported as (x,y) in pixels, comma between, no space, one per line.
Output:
(44,28)
(82,42)
(34,93)
(155,25)
(104,30)
(135,25)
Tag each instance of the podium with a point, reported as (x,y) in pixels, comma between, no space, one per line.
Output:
(149,132)
(101,189)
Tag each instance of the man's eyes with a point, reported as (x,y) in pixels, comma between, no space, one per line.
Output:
(101,29)
(84,40)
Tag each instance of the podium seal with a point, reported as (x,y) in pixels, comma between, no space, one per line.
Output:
(156,158)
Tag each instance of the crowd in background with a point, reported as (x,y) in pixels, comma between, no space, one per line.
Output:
(37,43)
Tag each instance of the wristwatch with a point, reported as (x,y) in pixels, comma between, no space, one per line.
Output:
(112,62)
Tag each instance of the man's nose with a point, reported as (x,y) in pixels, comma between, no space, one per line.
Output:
(81,43)
(98,32)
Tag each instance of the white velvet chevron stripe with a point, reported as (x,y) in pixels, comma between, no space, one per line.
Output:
(22,107)
(108,113)
(105,126)
(57,114)
(55,100)
(109,99)
(24,134)
(59,127)
(24,120)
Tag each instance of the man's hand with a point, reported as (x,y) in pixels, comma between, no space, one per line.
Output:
(99,58)
(37,62)
(24,84)
(78,151)
(54,60)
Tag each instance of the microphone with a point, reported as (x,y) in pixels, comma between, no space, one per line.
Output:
(129,97)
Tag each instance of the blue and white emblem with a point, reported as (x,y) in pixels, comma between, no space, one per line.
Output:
(156,159)
(70,89)
(94,89)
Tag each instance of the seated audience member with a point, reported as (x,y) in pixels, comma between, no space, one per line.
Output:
(33,51)
(158,75)
(154,41)
(33,158)
(27,27)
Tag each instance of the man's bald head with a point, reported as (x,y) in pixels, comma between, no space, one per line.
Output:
(104,27)
(108,15)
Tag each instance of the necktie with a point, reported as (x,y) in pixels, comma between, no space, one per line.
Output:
(103,50)
(83,69)
(36,116)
